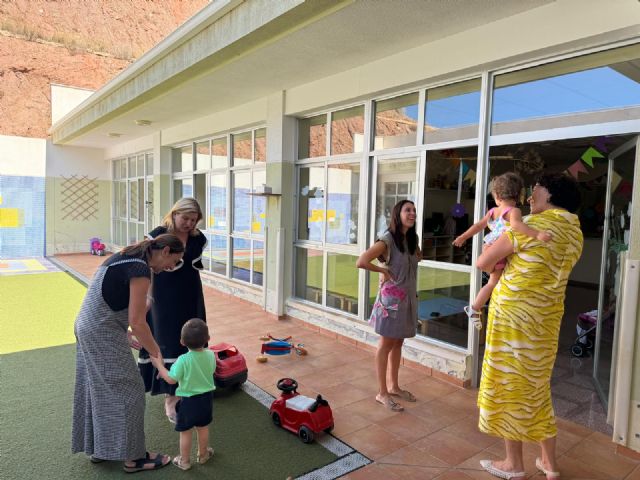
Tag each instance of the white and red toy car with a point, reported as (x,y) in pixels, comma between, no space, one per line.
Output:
(304,416)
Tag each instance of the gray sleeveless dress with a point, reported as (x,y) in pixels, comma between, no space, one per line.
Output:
(109,399)
(394,313)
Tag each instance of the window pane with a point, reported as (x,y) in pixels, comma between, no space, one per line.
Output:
(448,203)
(219,258)
(394,176)
(200,194)
(182,159)
(312,141)
(260,147)
(182,187)
(122,201)
(116,169)
(123,168)
(133,233)
(132,167)
(218,202)
(347,131)
(122,237)
(309,275)
(140,199)
(311,203)
(242,149)
(140,165)
(241,259)
(442,295)
(219,157)
(396,122)
(241,202)
(258,263)
(452,112)
(133,197)
(149,204)
(342,203)
(203,156)
(149,161)
(141,232)
(597,88)
(342,282)
(259,211)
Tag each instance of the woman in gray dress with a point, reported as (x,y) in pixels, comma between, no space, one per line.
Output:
(394,314)
(109,399)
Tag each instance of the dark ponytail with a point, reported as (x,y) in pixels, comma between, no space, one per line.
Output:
(143,248)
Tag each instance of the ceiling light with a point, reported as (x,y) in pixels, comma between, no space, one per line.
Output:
(143,123)
(114,134)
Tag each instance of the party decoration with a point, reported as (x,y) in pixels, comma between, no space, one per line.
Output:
(458,210)
(601,143)
(577,168)
(615,181)
(588,156)
(471,176)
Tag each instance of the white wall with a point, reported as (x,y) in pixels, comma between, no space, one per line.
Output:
(21,156)
(65,98)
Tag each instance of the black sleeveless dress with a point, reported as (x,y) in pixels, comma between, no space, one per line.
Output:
(177,297)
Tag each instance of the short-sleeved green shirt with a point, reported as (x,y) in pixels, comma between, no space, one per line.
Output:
(194,372)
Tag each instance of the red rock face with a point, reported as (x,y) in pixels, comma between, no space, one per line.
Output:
(76,43)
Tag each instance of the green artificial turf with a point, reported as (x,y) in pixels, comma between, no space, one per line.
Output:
(36,403)
(37,394)
(38,310)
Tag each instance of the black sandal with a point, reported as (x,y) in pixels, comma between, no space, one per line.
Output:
(140,464)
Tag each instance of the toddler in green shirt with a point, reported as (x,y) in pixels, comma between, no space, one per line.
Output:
(193,372)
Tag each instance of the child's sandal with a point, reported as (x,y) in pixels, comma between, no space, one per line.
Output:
(205,458)
(474,316)
(177,461)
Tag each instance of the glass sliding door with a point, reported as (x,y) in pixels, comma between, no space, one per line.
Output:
(617,231)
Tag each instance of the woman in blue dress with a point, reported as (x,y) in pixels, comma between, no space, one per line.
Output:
(175,298)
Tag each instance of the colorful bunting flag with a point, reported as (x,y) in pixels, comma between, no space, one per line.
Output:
(577,168)
(471,176)
(615,181)
(588,156)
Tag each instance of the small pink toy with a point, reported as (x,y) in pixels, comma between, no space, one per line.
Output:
(96,247)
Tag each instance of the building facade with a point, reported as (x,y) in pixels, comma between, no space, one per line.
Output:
(299,124)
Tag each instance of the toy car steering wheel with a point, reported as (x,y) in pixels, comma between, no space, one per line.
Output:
(287,385)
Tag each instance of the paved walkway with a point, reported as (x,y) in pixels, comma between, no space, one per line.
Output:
(434,438)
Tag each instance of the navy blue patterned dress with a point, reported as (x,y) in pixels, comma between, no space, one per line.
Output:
(177,297)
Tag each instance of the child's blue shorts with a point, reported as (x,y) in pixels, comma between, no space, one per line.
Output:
(195,411)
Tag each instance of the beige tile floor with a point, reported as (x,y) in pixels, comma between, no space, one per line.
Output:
(434,438)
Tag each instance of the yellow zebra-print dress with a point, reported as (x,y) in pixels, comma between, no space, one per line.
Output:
(522,330)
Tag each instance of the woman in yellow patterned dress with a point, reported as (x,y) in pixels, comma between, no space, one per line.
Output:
(525,314)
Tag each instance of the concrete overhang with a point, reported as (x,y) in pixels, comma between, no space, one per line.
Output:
(233,52)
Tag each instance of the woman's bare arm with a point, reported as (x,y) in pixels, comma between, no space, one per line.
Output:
(138,288)
(378,249)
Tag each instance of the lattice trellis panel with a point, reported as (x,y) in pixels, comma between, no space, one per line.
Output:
(79,198)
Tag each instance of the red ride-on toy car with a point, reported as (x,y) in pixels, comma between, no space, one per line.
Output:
(231,366)
(301,415)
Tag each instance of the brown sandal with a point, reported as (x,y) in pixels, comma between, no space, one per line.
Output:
(404,395)
(390,403)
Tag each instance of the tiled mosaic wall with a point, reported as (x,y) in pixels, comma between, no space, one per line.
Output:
(22,216)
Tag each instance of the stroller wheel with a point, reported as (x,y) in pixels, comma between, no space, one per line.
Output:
(577,350)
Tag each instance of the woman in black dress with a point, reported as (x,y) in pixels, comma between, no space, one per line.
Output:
(175,297)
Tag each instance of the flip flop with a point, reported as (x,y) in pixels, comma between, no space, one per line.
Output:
(140,464)
(205,458)
(496,472)
(548,473)
(390,404)
(404,395)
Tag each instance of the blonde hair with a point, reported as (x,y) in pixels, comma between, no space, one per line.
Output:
(184,205)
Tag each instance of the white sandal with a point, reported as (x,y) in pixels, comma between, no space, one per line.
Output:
(474,316)
(496,472)
(548,473)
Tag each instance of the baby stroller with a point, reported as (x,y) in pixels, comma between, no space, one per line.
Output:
(586,328)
